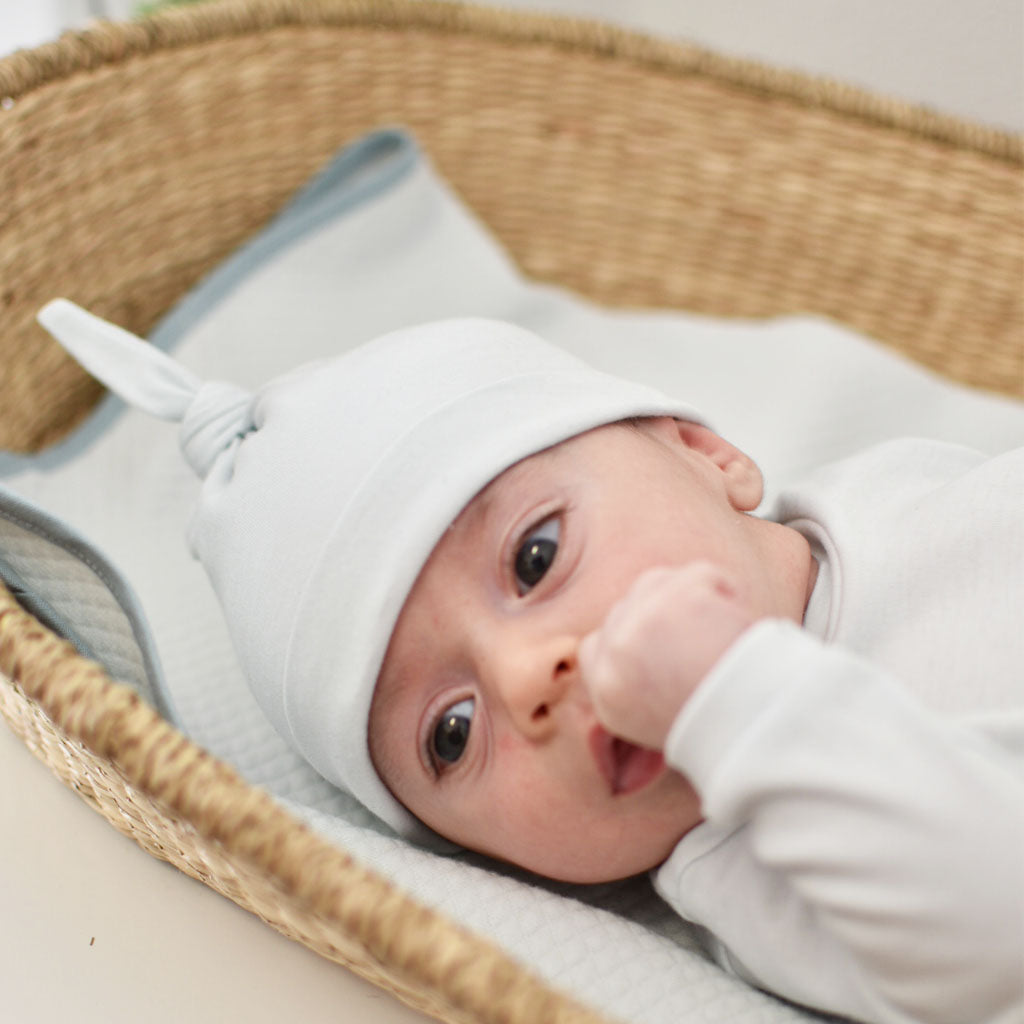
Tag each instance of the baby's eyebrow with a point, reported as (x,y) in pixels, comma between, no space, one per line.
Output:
(480,509)
(387,762)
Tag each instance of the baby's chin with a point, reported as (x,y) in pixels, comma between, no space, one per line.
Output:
(595,865)
(604,872)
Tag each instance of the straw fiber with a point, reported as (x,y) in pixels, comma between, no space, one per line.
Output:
(137,157)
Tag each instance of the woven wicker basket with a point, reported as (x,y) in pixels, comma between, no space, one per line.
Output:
(137,157)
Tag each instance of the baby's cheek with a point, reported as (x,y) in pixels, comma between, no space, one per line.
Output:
(508,747)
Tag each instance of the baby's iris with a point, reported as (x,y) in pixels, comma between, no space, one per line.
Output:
(451,734)
(536,554)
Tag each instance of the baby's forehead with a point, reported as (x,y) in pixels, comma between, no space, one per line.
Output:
(507,483)
(498,501)
(517,476)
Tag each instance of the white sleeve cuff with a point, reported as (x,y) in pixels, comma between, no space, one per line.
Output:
(751,676)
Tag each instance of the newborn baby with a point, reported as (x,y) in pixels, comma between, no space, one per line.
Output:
(503,720)
(513,602)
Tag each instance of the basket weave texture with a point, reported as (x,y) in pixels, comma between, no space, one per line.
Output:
(136,157)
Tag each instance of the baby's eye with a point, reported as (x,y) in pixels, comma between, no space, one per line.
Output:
(451,734)
(536,554)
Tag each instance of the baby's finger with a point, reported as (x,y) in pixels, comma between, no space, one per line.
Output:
(597,672)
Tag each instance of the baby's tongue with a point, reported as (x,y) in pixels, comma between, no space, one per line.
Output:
(635,766)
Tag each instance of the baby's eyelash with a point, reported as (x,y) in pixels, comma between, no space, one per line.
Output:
(448,735)
(534,553)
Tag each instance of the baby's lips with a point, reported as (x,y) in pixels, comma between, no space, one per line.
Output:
(624,766)
(600,741)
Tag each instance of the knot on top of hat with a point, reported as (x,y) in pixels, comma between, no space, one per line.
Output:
(212,415)
(218,414)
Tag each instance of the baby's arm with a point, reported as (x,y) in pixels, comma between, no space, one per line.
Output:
(860,854)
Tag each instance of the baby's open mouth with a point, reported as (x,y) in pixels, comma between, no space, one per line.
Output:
(625,766)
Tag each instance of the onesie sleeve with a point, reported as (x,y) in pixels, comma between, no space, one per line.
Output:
(860,854)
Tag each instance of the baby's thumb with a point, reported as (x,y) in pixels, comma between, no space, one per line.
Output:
(597,676)
(588,656)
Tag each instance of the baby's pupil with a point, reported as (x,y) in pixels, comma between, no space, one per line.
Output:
(534,559)
(451,736)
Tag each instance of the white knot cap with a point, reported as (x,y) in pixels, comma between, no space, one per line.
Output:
(212,414)
(218,415)
(130,367)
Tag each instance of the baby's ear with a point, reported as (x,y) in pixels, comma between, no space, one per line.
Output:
(743,480)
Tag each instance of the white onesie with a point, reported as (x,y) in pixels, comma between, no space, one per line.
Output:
(862,779)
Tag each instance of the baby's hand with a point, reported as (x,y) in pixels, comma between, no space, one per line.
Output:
(656,645)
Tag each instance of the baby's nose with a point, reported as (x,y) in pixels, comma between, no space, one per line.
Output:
(534,682)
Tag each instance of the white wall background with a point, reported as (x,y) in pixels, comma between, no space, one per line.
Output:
(962,57)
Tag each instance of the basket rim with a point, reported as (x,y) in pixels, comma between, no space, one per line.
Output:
(111,42)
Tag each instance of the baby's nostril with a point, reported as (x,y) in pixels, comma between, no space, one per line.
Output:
(562,666)
(540,712)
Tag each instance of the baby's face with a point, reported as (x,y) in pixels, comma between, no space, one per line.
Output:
(481,723)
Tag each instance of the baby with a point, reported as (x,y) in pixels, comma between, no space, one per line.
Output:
(510,601)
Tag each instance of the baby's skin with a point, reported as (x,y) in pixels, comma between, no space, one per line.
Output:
(556,630)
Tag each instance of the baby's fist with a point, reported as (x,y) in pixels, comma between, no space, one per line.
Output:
(656,645)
